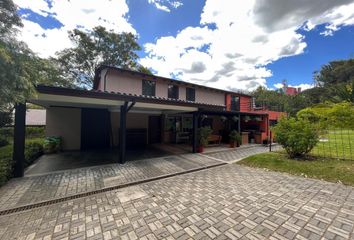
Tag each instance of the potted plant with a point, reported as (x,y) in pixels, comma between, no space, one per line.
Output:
(235,139)
(203,134)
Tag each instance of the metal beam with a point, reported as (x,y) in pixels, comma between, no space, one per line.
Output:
(239,124)
(18,155)
(122,132)
(195,129)
(130,106)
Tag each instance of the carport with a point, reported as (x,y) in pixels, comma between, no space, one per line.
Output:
(85,119)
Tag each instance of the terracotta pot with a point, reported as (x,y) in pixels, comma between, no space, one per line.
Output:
(232,144)
(200,149)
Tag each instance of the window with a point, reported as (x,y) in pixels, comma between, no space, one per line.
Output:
(235,103)
(190,94)
(173,91)
(149,88)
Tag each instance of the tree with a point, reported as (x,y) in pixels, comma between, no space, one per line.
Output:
(336,81)
(20,68)
(8,18)
(95,48)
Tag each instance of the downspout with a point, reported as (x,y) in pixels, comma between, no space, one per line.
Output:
(104,80)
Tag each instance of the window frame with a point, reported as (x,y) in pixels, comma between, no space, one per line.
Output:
(235,105)
(187,95)
(172,86)
(143,84)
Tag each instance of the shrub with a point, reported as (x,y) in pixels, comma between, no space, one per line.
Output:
(297,136)
(35,132)
(31,132)
(203,134)
(3,141)
(7,132)
(5,163)
(33,149)
(52,144)
(235,137)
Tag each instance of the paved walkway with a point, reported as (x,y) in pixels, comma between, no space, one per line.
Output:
(34,189)
(240,153)
(227,202)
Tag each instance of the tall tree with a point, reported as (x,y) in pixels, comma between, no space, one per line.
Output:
(8,18)
(20,68)
(98,47)
(336,79)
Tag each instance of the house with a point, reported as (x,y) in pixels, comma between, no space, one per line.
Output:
(128,109)
(34,117)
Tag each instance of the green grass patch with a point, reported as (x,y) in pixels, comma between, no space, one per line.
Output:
(336,144)
(332,170)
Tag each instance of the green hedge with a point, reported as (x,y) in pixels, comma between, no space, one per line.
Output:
(31,132)
(33,149)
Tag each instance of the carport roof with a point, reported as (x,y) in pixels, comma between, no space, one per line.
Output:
(117,96)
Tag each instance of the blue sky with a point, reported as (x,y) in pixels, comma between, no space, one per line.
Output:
(219,43)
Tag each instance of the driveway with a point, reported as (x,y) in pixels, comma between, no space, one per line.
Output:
(225,202)
(34,189)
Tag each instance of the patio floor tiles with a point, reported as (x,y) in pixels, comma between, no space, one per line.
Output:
(33,189)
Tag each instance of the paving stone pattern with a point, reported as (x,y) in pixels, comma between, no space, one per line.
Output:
(33,189)
(228,202)
(242,152)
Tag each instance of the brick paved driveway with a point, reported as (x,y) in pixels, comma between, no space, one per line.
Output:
(227,202)
(34,189)
(241,152)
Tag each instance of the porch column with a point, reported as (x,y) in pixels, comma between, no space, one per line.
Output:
(122,132)
(239,124)
(18,155)
(195,129)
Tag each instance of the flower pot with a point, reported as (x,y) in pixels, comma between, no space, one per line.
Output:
(200,149)
(232,144)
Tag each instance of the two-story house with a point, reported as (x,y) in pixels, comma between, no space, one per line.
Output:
(128,109)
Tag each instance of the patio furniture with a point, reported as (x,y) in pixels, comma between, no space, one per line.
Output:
(244,137)
(182,137)
(213,138)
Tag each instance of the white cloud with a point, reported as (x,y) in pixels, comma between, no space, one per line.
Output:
(237,39)
(166,5)
(71,14)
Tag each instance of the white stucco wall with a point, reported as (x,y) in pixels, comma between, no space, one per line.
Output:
(66,123)
(128,83)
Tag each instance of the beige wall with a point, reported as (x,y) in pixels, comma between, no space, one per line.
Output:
(128,83)
(211,97)
(66,123)
(134,120)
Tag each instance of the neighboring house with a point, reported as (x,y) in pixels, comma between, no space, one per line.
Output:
(292,91)
(35,117)
(132,109)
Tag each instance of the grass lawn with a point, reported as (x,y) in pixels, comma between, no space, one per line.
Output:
(327,169)
(336,144)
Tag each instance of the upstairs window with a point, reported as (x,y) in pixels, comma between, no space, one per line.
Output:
(235,103)
(190,94)
(172,91)
(149,88)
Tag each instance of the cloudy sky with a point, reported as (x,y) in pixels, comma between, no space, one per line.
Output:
(220,43)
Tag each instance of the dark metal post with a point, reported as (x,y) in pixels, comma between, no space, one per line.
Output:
(18,155)
(239,124)
(195,129)
(270,141)
(122,132)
